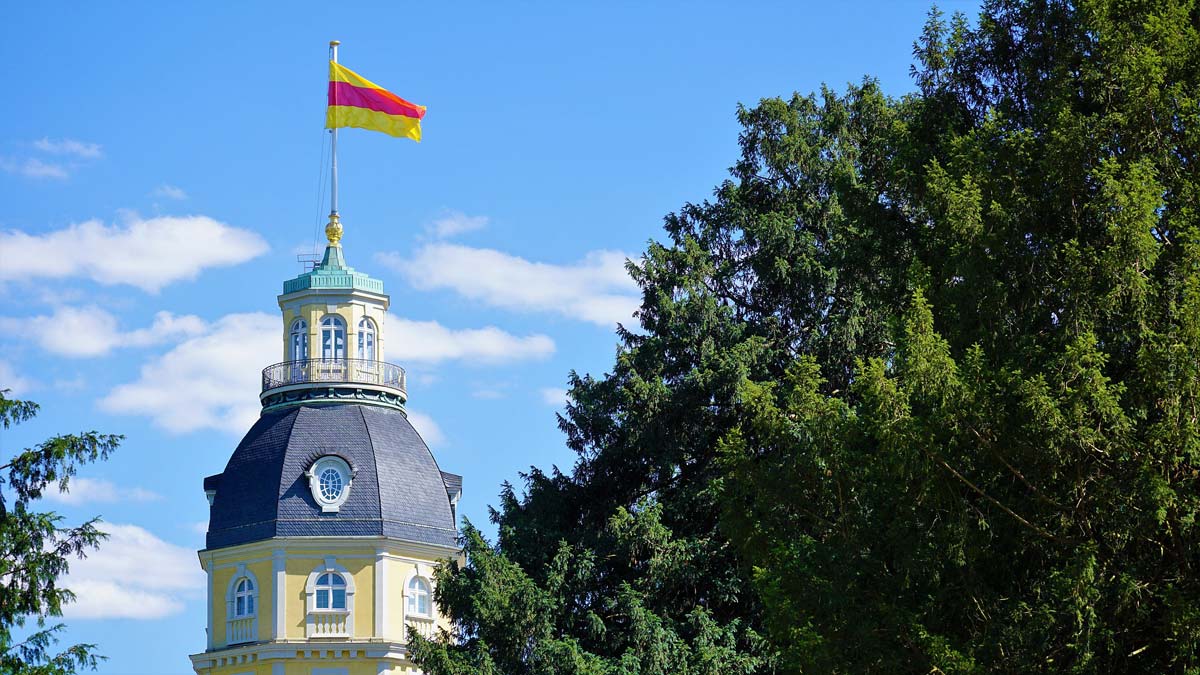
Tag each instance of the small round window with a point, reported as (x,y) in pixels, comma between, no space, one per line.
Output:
(330,478)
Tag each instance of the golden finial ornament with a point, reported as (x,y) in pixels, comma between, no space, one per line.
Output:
(333,231)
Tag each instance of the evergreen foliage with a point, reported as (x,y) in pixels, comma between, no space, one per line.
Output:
(917,391)
(35,548)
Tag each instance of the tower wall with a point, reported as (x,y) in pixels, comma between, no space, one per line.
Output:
(351,312)
(375,638)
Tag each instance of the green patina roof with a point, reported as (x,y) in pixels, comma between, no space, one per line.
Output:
(333,274)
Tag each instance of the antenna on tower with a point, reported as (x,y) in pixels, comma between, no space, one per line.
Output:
(308,261)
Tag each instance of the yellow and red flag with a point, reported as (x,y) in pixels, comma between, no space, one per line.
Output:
(355,101)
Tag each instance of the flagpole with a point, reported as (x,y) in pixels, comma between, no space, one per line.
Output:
(333,212)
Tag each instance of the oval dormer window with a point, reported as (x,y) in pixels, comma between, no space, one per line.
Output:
(329,478)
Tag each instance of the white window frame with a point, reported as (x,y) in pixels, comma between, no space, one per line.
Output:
(242,572)
(331,588)
(425,572)
(248,596)
(310,595)
(333,326)
(411,595)
(298,341)
(368,339)
(314,481)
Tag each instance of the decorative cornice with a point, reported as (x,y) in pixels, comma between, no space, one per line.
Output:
(277,399)
(263,550)
(337,296)
(371,648)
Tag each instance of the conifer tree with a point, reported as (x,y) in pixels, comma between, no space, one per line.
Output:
(35,547)
(916,391)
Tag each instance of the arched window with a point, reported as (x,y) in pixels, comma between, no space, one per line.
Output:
(243,598)
(329,601)
(241,607)
(333,338)
(366,339)
(418,597)
(299,340)
(330,591)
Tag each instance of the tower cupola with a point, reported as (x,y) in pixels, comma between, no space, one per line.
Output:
(333,337)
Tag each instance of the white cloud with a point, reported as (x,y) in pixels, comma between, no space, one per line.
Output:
(95,490)
(429,430)
(113,600)
(309,250)
(491,390)
(9,379)
(70,385)
(595,289)
(169,191)
(430,342)
(454,223)
(133,575)
(148,253)
(45,294)
(554,396)
(208,381)
(70,331)
(166,325)
(33,168)
(91,331)
(69,146)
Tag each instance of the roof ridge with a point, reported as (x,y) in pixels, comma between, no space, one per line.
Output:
(282,461)
(374,459)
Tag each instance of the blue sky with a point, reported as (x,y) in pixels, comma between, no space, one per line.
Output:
(163,167)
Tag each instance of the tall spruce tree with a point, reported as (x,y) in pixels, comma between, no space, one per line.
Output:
(917,391)
(35,547)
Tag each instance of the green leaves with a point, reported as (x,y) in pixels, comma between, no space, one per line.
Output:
(507,623)
(915,391)
(35,549)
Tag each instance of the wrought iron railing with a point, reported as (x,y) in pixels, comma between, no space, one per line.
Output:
(333,371)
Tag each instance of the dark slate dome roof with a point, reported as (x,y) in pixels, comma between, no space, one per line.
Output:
(398,490)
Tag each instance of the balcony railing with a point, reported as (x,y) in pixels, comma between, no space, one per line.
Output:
(425,627)
(240,630)
(334,371)
(328,623)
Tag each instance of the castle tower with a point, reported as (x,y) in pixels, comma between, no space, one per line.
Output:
(331,515)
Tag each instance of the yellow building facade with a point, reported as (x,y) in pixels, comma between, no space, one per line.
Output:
(330,517)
